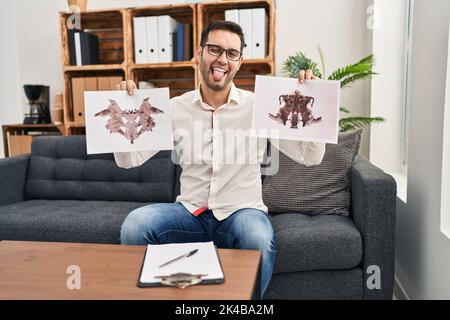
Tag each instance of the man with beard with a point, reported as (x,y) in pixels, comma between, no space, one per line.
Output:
(220,201)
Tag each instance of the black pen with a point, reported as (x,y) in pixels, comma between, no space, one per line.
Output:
(186,255)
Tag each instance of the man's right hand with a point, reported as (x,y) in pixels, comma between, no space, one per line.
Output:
(128,85)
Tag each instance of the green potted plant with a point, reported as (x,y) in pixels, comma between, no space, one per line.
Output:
(346,75)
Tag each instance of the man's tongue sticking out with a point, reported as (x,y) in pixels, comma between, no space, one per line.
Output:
(218,73)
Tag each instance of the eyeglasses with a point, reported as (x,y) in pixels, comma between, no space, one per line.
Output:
(231,54)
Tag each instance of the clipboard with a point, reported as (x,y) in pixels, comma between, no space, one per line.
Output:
(181,279)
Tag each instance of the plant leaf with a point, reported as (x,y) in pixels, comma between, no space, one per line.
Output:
(353,72)
(293,64)
(353,123)
(348,81)
(322,60)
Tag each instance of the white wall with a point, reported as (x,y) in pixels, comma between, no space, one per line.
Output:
(445,188)
(387,101)
(10,91)
(38,38)
(339,27)
(33,41)
(31,50)
(422,251)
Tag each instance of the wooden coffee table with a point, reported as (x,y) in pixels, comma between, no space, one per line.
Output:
(38,270)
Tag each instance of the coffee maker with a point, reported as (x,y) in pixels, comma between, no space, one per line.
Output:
(39,102)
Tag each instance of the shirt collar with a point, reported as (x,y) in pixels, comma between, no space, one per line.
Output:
(232,96)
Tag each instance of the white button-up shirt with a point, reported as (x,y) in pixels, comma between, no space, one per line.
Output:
(219,154)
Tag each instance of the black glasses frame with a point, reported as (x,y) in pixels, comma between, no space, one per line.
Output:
(227,51)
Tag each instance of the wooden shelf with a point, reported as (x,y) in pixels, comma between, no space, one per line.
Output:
(179,79)
(182,13)
(17,137)
(115,30)
(209,11)
(95,67)
(31,126)
(72,128)
(175,64)
(75,124)
(257,61)
(107,25)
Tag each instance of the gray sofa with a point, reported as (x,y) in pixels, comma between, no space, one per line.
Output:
(59,193)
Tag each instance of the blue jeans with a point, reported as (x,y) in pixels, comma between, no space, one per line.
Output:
(161,223)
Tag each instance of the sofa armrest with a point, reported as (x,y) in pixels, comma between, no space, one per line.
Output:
(13,174)
(374,196)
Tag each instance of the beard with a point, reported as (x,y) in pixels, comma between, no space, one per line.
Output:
(205,71)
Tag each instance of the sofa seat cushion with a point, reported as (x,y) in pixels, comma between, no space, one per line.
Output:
(65,220)
(315,242)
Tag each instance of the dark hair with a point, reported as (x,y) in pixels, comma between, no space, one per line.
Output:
(222,25)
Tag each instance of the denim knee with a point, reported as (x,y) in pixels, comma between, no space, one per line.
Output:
(254,231)
(144,225)
(134,228)
(262,239)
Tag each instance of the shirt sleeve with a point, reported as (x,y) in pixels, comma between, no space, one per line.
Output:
(304,152)
(129,160)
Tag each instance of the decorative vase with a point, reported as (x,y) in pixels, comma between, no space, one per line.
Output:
(75,4)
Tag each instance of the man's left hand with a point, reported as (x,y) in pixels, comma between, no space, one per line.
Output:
(306,75)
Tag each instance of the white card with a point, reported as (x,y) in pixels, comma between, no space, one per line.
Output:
(205,261)
(118,122)
(286,109)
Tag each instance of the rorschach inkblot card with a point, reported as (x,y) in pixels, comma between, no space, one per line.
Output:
(285,109)
(118,122)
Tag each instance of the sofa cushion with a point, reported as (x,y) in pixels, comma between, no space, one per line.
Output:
(322,242)
(319,189)
(59,168)
(317,285)
(65,220)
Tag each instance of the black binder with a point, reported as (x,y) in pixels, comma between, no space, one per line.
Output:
(89,45)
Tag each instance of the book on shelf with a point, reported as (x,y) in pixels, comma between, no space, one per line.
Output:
(140,41)
(161,39)
(151,39)
(187,42)
(83,47)
(167,26)
(254,24)
(178,47)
